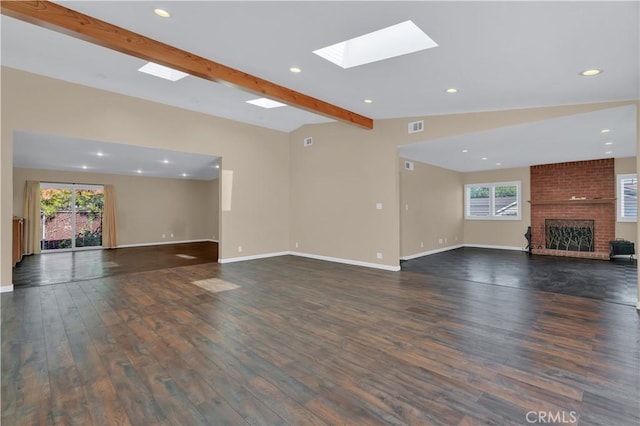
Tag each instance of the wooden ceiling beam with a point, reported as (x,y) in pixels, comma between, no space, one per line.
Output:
(61,19)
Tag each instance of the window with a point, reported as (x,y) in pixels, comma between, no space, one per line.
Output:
(71,215)
(492,201)
(628,198)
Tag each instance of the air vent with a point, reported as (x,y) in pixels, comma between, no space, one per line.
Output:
(416,126)
(308,141)
(408,165)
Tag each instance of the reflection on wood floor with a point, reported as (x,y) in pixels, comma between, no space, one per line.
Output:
(613,281)
(302,341)
(61,267)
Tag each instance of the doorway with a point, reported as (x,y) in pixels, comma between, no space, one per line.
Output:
(71,216)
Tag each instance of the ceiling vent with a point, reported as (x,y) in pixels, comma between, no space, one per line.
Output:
(416,126)
(308,141)
(408,165)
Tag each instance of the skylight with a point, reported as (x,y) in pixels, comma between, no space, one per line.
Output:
(265,103)
(162,71)
(396,40)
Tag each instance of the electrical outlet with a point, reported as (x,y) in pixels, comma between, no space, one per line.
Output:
(439,240)
(239,249)
(378,206)
(406,207)
(456,238)
(164,235)
(378,255)
(297,245)
(445,240)
(171,235)
(421,244)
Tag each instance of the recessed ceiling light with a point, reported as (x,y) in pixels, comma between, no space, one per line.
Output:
(183,175)
(138,171)
(295,70)
(396,40)
(498,164)
(484,158)
(99,154)
(162,13)
(165,161)
(161,71)
(608,143)
(452,90)
(608,152)
(465,150)
(266,103)
(84,167)
(217,166)
(368,101)
(605,130)
(591,73)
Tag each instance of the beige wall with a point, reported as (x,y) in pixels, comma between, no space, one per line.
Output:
(213,207)
(431,208)
(336,182)
(626,230)
(147,207)
(328,190)
(510,233)
(258,218)
(506,233)
(335,185)
(638,168)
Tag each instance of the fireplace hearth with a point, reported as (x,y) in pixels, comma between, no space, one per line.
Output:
(569,234)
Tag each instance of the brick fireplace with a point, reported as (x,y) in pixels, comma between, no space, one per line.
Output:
(575,194)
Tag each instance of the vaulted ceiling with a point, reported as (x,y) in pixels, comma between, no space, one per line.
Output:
(499,55)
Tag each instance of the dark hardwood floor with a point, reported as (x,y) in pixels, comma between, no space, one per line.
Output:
(301,341)
(612,281)
(54,268)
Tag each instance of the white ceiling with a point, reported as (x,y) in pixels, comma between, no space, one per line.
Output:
(572,138)
(500,55)
(38,151)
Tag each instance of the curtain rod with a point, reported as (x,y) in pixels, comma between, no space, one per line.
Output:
(73,183)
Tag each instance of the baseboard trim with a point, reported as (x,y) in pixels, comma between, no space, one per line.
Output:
(457,246)
(624,256)
(347,261)
(311,256)
(489,246)
(253,257)
(162,243)
(434,251)
(6,288)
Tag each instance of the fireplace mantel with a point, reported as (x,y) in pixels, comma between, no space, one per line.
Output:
(576,201)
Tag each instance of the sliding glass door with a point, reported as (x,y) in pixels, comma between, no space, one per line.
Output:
(71,216)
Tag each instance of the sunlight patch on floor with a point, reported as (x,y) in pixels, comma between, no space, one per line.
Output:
(216,285)
(186,256)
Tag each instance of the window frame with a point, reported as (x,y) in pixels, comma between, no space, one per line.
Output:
(620,195)
(492,186)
